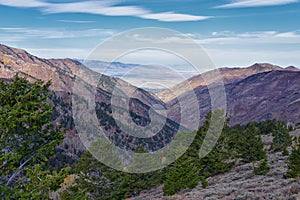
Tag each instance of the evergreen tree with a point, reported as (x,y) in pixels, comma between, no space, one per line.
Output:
(27,139)
(250,146)
(294,163)
(282,138)
(183,175)
(188,170)
(98,181)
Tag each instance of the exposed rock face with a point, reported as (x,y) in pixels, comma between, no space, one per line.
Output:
(63,72)
(256,93)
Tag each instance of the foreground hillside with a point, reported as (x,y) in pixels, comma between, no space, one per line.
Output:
(241,182)
(258,160)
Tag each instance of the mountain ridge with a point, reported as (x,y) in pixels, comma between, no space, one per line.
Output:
(62,72)
(262,96)
(242,85)
(228,75)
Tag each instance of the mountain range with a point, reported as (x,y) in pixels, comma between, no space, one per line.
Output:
(256,93)
(62,73)
(259,92)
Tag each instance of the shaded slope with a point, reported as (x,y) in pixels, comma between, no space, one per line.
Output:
(268,95)
(62,72)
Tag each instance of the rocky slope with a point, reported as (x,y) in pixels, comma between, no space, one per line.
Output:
(228,75)
(273,94)
(241,183)
(63,72)
(259,92)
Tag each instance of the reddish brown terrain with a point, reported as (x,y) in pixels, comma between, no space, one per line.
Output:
(62,72)
(255,93)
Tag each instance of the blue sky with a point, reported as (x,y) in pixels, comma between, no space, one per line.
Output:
(232,32)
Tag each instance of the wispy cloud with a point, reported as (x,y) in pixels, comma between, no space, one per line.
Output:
(76,21)
(22,4)
(94,7)
(255,3)
(290,34)
(107,8)
(227,48)
(171,17)
(226,37)
(251,38)
(9,33)
(59,52)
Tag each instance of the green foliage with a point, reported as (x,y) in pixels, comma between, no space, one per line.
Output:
(266,127)
(73,194)
(38,184)
(97,181)
(141,150)
(101,182)
(188,170)
(183,175)
(282,138)
(294,163)
(217,160)
(204,182)
(285,152)
(249,146)
(262,169)
(27,140)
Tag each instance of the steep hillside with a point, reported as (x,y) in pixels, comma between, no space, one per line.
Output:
(63,72)
(270,95)
(229,75)
(267,95)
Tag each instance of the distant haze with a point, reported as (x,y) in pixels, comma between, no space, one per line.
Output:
(151,77)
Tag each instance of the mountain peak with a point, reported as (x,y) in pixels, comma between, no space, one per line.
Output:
(11,52)
(292,68)
(264,66)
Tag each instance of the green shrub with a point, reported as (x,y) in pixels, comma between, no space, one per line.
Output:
(262,169)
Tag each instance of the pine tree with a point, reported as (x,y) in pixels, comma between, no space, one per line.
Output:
(183,175)
(294,162)
(27,139)
(98,181)
(250,147)
(282,138)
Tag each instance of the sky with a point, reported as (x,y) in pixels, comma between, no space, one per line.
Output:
(232,32)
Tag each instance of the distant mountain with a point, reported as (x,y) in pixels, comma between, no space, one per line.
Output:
(261,91)
(256,93)
(62,72)
(228,75)
(292,68)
